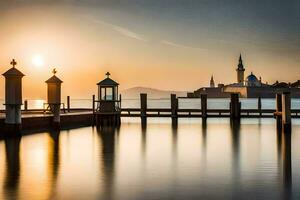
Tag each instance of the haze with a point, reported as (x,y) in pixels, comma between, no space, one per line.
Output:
(170,45)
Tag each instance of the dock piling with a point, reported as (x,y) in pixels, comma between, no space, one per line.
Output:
(235,106)
(204,105)
(286,112)
(259,105)
(68,103)
(93,109)
(26,105)
(143,99)
(174,109)
(278,111)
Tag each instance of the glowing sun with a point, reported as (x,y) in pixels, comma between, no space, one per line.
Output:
(38,60)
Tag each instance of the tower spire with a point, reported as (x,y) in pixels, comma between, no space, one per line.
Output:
(240,70)
(240,59)
(212,82)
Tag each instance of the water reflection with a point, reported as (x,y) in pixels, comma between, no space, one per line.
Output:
(12,153)
(53,161)
(154,161)
(285,166)
(174,142)
(235,126)
(144,139)
(107,138)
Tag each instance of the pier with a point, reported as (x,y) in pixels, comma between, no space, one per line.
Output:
(106,109)
(39,119)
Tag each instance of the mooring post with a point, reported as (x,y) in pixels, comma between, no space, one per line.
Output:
(120,99)
(143,98)
(259,105)
(286,112)
(25,105)
(174,109)
(93,103)
(68,103)
(278,112)
(13,98)
(204,105)
(235,111)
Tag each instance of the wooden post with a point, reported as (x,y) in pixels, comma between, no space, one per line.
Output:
(95,120)
(286,112)
(278,111)
(204,105)
(143,99)
(235,106)
(25,105)
(93,105)
(174,109)
(259,105)
(68,103)
(120,99)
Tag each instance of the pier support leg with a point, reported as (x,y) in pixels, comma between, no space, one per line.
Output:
(278,110)
(25,105)
(143,99)
(204,105)
(174,109)
(13,121)
(235,106)
(68,103)
(286,112)
(259,105)
(95,120)
(56,116)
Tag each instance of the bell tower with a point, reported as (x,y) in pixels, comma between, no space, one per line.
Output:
(212,82)
(240,71)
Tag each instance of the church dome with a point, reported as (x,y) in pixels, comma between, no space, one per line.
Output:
(252,78)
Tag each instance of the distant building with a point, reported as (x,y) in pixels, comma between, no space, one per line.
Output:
(240,71)
(251,87)
(212,82)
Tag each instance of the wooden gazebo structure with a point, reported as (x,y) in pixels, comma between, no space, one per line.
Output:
(108,104)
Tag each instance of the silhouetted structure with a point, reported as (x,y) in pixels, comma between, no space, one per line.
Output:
(235,106)
(283,112)
(240,71)
(108,107)
(174,109)
(54,97)
(212,82)
(13,98)
(143,98)
(249,87)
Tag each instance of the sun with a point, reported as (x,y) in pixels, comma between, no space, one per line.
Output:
(38,60)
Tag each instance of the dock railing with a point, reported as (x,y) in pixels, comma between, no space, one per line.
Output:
(155,108)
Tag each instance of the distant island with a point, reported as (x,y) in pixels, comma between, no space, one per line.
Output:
(134,93)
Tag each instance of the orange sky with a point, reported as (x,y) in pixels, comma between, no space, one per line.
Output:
(84,42)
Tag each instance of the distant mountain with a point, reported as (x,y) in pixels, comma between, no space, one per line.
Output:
(134,93)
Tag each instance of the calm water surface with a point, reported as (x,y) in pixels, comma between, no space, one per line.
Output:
(213,160)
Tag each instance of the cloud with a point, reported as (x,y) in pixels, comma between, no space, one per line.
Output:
(166,42)
(123,31)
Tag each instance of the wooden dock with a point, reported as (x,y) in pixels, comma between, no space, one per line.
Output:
(40,119)
(192,113)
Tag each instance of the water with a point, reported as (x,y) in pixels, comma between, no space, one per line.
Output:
(216,160)
(212,103)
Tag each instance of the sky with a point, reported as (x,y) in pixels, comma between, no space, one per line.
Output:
(163,44)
